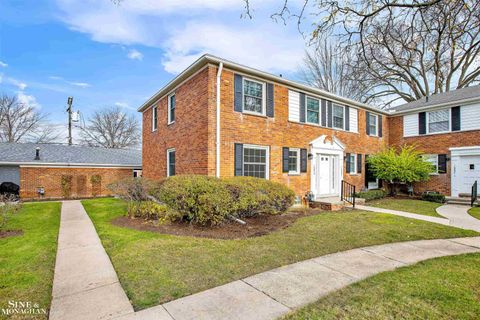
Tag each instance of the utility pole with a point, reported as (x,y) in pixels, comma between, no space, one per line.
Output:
(69,110)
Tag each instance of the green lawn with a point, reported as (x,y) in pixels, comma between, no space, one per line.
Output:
(475,212)
(442,288)
(27,262)
(426,208)
(155,268)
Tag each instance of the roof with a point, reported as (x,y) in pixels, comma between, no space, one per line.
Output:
(66,155)
(210,59)
(468,94)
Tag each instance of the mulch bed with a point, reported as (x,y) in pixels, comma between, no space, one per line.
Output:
(255,227)
(10,233)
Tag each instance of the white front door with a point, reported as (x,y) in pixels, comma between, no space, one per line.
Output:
(465,172)
(326,174)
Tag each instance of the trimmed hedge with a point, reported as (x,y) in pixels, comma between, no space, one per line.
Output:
(209,201)
(433,197)
(371,194)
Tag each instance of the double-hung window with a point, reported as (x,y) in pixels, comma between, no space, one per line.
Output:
(255,161)
(352,160)
(313,110)
(294,161)
(253,96)
(433,159)
(438,121)
(338,116)
(171,108)
(373,124)
(154,118)
(170,162)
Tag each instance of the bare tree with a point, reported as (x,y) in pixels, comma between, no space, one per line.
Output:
(111,128)
(327,67)
(45,133)
(18,121)
(405,49)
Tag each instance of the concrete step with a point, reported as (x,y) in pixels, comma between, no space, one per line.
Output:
(460,201)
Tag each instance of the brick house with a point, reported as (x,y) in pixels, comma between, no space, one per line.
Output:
(52,171)
(220,118)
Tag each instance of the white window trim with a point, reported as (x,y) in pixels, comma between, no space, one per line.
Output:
(264,97)
(267,156)
(154,119)
(353,164)
(169,105)
(319,110)
(168,161)
(428,157)
(376,125)
(296,172)
(333,113)
(449,121)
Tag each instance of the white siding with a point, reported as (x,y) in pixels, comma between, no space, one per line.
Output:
(470,117)
(410,125)
(293,106)
(353,119)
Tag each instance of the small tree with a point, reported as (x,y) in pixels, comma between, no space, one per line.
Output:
(406,166)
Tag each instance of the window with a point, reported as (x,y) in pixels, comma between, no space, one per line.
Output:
(170,162)
(154,118)
(338,116)
(433,159)
(313,110)
(253,98)
(373,124)
(171,108)
(439,121)
(255,161)
(293,161)
(352,163)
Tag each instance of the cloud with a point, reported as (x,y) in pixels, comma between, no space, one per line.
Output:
(17,83)
(135,55)
(72,83)
(3,64)
(28,100)
(123,105)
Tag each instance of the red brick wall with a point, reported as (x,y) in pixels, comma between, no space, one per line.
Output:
(31,178)
(432,144)
(188,134)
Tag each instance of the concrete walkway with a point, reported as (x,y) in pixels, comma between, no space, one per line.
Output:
(459,217)
(405,214)
(85,285)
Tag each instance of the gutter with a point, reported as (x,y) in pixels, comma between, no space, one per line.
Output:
(217,142)
(436,106)
(66,164)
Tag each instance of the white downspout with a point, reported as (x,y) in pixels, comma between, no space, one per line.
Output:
(217,142)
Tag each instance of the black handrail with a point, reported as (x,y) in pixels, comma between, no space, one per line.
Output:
(348,192)
(474,194)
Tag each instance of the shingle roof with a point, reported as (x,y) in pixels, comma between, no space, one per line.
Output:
(19,153)
(441,98)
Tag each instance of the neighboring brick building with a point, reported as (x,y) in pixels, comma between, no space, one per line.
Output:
(52,171)
(266,126)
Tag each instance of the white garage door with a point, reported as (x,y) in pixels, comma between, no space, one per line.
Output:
(466,172)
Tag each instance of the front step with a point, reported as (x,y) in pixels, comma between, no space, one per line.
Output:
(459,200)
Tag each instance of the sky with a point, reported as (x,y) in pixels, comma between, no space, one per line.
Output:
(106,54)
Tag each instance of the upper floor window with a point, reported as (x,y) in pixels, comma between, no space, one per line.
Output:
(170,162)
(255,161)
(171,108)
(154,118)
(253,96)
(338,116)
(438,121)
(313,110)
(373,124)
(294,161)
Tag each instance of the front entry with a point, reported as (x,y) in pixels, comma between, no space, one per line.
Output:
(465,169)
(326,175)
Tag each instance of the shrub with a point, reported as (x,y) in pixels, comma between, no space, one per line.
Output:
(433,197)
(199,199)
(371,194)
(132,189)
(148,210)
(8,207)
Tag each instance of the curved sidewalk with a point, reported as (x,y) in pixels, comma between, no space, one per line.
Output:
(459,217)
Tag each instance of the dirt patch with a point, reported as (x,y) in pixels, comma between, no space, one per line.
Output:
(10,233)
(255,227)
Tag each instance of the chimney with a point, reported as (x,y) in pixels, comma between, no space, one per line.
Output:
(426,99)
(37,153)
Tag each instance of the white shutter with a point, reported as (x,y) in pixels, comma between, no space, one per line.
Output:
(410,125)
(470,117)
(293,106)
(353,119)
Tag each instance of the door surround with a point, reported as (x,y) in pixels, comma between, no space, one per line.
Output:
(456,155)
(333,147)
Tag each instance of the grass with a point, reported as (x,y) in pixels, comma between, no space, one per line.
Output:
(442,288)
(27,261)
(155,268)
(475,212)
(426,208)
